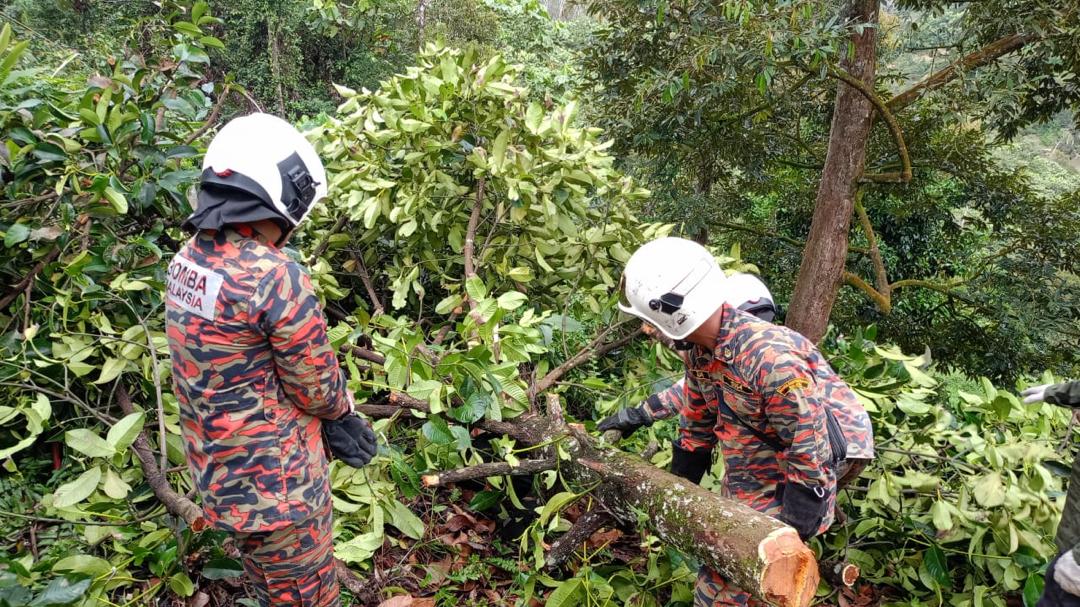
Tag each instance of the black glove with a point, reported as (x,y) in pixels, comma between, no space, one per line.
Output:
(626,421)
(351,439)
(802,507)
(691,465)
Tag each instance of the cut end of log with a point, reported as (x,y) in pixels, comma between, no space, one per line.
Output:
(790,575)
(430,480)
(847,573)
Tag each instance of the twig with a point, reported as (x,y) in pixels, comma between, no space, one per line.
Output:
(324,242)
(64,521)
(522,468)
(156,375)
(211,120)
(19,287)
(365,354)
(365,277)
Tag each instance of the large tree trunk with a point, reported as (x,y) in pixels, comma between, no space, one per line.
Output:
(823,259)
(754,551)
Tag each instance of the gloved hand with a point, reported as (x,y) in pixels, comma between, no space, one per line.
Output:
(691,465)
(802,507)
(1035,394)
(626,421)
(351,439)
(1067,573)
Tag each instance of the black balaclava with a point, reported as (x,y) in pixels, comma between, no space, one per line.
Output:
(221,206)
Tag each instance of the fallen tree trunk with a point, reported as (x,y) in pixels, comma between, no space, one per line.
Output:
(754,551)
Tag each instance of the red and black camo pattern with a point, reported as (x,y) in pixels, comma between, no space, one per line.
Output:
(776,380)
(293,567)
(712,590)
(252,381)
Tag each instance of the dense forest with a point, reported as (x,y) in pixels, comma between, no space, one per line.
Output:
(903,174)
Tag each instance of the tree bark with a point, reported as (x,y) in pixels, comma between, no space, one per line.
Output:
(751,550)
(754,551)
(824,257)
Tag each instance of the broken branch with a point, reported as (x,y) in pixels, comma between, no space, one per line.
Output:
(522,468)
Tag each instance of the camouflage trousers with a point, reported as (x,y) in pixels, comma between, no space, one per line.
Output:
(712,590)
(293,567)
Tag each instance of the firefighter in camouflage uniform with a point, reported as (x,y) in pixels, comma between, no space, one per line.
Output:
(789,429)
(256,379)
(1063,573)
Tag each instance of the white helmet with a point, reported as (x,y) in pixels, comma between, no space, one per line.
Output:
(747,293)
(266,157)
(674,284)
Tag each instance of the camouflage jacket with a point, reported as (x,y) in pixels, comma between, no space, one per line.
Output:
(252,371)
(775,380)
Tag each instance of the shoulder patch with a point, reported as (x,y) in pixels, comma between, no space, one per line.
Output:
(193,287)
(791,385)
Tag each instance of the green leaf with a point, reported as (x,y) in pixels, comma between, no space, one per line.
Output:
(476,289)
(62,591)
(185,27)
(114,486)
(222,568)
(111,370)
(117,200)
(437,431)
(181,584)
(89,116)
(198,10)
(511,300)
(77,490)
(941,516)
(16,234)
(12,56)
(124,432)
(569,594)
(401,517)
(1033,589)
(533,116)
(88,443)
(83,563)
(360,548)
(474,408)
(934,560)
(429,390)
(498,149)
(485,500)
(448,304)
(989,491)
(554,504)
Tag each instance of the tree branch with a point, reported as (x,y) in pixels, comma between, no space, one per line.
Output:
(596,347)
(522,468)
(325,241)
(986,55)
(470,233)
(364,354)
(365,277)
(880,273)
(175,503)
(578,534)
(894,127)
(18,288)
(211,120)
